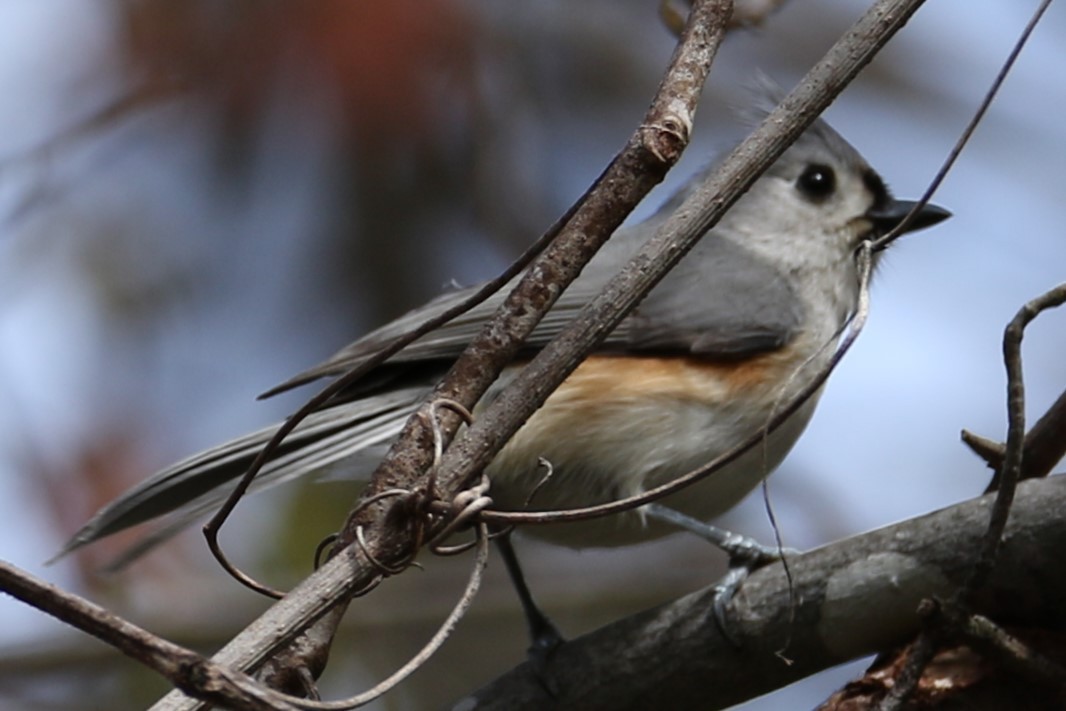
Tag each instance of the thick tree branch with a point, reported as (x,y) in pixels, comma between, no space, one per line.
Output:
(853,597)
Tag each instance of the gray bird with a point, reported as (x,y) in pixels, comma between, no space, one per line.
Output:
(705,360)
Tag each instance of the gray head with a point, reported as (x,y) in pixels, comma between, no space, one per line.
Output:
(781,260)
(817,202)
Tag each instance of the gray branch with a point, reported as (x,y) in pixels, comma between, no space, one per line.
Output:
(851,598)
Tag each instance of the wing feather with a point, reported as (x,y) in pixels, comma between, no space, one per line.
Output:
(724,303)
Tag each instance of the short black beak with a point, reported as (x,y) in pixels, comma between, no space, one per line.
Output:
(887,217)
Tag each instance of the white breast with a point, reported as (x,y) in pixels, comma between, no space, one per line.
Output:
(622,425)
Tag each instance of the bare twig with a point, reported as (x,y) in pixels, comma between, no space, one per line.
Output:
(1045,445)
(987,449)
(919,654)
(983,634)
(184,668)
(438,639)
(963,139)
(1012,461)
(746,13)
(1014,653)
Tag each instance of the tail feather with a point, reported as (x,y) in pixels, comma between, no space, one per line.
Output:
(187,490)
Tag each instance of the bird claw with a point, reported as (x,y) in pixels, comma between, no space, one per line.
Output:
(746,555)
(724,590)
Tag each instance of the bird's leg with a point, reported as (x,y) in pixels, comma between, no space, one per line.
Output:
(745,555)
(543,634)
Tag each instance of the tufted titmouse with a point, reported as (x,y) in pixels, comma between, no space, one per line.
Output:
(725,338)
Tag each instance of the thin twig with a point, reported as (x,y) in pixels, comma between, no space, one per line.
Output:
(956,623)
(745,14)
(1012,461)
(1045,445)
(978,115)
(187,670)
(549,472)
(919,654)
(924,648)
(987,449)
(1017,656)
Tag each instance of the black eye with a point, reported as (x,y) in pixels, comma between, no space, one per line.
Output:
(817,181)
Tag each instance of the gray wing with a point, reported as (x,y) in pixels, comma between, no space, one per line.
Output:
(449,340)
(720,302)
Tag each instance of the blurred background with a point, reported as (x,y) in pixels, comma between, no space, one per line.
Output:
(199,199)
